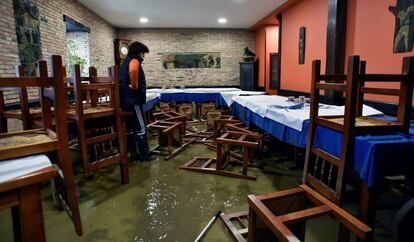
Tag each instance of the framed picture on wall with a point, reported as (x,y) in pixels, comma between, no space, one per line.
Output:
(404,25)
(302,45)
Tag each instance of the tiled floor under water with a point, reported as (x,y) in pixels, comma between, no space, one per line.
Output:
(164,203)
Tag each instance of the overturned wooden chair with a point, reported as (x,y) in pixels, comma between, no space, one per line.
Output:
(101,130)
(45,141)
(171,116)
(248,142)
(170,138)
(220,124)
(186,109)
(204,108)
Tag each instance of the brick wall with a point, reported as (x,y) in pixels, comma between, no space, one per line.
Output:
(53,35)
(229,42)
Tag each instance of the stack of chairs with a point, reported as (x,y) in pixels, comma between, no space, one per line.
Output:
(281,216)
(46,140)
(101,129)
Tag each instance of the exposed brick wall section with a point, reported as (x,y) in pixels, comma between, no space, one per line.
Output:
(9,56)
(229,42)
(53,35)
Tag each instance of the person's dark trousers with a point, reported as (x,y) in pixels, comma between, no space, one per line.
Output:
(138,137)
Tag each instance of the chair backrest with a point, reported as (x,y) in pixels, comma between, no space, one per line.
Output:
(109,83)
(23,102)
(323,171)
(404,92)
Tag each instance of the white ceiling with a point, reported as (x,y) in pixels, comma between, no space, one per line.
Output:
(182,13)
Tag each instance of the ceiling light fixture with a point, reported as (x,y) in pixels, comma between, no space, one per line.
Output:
(222,20)
(143,20)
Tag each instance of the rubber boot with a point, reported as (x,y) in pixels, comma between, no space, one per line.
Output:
(144,152)
(132,147)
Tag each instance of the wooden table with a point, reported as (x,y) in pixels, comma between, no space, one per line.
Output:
(23,196)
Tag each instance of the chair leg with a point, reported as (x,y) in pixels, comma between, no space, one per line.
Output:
(343,235)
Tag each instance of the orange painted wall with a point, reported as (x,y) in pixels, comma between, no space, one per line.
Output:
(313,15)
(370,34)
(261,53)
(272,38)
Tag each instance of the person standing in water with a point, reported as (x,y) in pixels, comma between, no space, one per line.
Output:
(133,87)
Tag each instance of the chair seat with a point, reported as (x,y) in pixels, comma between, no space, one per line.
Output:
(364,121)
(92,112)
(35,112)
(24,143)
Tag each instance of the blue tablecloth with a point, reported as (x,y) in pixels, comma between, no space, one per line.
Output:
(220,102)
(150,104)
(189,97)
(374,156)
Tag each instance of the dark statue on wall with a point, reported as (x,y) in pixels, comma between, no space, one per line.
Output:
(404,25)
(302,32)
(26,17)
(248,55)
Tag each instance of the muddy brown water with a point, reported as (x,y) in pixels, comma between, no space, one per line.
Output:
(163,203)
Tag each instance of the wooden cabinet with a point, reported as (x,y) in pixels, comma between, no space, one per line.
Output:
(248,76)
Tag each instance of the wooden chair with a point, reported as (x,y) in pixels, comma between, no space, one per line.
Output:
(210,117)
(171,116)
(101,130)
(204,108)
(170,138)
(220,124)
(25,113)
(164,107)
(45,140)
(186,109)
(248,142)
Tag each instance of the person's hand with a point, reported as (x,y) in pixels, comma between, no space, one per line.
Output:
(130,86)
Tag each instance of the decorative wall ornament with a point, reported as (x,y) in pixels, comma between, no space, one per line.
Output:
(404,25)
(26,17)
(172,60)
(302,39)
(248,55)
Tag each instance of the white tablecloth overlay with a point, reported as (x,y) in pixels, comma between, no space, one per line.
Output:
(293,118)
(227,96)
(14,168)
(152,96)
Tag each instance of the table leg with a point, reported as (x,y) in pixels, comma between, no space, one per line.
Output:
(367,208)
(30,214)
(16,224)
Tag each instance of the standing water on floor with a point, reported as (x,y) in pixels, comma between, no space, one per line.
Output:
(161,202)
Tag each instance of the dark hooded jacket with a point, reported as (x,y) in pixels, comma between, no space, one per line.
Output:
(128,95)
